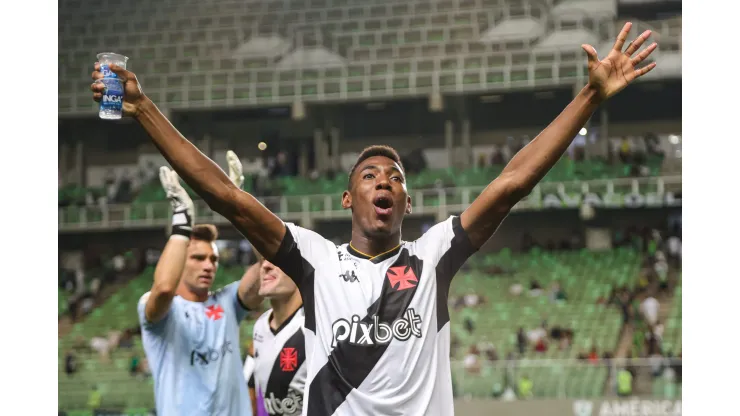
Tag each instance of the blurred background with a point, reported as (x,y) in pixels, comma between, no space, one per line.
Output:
(572,308)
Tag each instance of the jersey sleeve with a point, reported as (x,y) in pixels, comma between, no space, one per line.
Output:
(300,253)
(447,247)
(153,327)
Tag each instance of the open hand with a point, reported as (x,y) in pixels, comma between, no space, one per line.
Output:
(612,74)
(235,168)
(133,96)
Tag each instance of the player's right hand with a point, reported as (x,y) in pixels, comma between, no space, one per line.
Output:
(182,205)
(133,96)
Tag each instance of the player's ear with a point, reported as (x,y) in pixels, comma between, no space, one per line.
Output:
(346,200)
(408,204)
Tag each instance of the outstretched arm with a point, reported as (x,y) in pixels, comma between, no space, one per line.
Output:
(263,229)
(606,78)
(172,261)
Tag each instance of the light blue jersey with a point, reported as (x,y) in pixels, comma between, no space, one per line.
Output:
(195,358)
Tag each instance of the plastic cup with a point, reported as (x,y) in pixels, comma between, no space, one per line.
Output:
(108,58)
(111,106)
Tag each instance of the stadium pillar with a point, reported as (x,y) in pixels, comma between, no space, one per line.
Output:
(80,163)
(449,141)
(63,163)
(467,148)
(334,135)
(303,160)
(318,150)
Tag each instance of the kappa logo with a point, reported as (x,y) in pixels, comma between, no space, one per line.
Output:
(288,359)
(402,277)
(349,276)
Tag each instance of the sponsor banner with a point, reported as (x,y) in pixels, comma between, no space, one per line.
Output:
(610,200)
(109,412)
(634,406)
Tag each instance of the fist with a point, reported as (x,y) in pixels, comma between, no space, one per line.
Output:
(133,96)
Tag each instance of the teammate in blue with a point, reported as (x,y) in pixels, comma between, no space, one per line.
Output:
(191,335)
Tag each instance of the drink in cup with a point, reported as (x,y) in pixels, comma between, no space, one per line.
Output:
(111,106)
(108,58)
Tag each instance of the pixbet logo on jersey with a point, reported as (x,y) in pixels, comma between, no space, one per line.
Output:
(210,355)
(287,406)
(361,333)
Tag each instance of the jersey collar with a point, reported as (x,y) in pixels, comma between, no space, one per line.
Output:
(375,259)
(284,324)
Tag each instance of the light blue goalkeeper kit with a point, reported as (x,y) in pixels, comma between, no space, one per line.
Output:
(195,358)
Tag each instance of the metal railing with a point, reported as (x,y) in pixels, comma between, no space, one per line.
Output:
(567,379)
(438,202)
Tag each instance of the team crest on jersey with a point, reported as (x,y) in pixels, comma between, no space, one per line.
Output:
(214,312)
(402,277)
(288,359)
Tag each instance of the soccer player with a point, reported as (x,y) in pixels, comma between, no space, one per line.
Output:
(191,335)
(279,373)
(376,318)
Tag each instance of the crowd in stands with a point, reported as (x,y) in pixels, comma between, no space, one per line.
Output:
(632,156)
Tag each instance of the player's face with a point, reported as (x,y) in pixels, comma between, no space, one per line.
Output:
(200,266)
(378,198)
(274,283)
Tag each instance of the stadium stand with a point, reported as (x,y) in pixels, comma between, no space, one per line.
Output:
(228,53)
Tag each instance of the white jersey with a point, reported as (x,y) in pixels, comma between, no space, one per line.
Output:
(280,365)
(377,328)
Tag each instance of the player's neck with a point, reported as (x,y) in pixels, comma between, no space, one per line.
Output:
(283,309)
(184,292)
(374,246)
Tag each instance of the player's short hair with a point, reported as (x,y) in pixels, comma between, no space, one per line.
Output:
(371,151)
(204,232)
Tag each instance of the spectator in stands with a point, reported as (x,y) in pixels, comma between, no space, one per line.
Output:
(469,326)
(557,294)
(649,308)
(593,355)
(624,383)
(471,362)
(526,387)
(674,250)
(625,152)
(491,353)
(94,399)
(472,299)
(70,363)
(541,345)
(521,341)
(623,300)
(535,288)
(516,289)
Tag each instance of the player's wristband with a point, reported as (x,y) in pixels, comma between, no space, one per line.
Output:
(182,224)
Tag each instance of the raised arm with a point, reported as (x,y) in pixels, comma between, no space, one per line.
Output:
(263,229)
(605,78)
(172,261)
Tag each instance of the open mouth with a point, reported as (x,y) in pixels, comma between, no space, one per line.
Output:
(383,205)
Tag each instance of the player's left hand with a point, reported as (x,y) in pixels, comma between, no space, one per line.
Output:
(612,74)
(235,169)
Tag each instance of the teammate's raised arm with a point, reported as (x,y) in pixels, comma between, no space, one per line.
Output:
(605,78)
(263,229)
(172,261)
